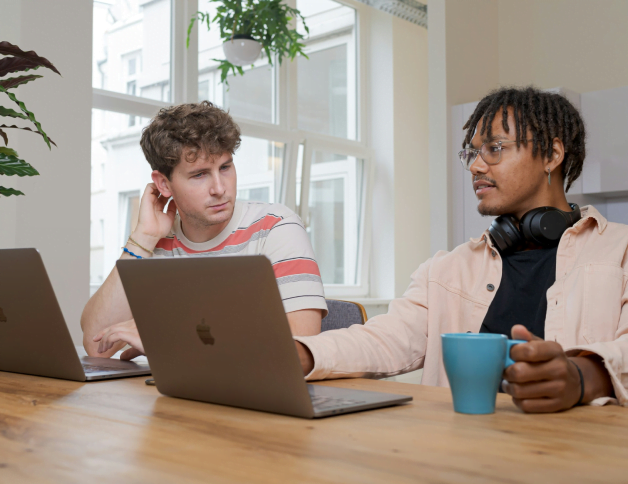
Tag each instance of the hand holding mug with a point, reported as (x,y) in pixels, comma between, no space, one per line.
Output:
(542,379)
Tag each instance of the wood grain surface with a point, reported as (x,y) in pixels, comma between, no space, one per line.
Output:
(123,431)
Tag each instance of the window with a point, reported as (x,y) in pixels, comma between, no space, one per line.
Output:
(301,141)
(327,86)
(131,47)
(251,96)
(259,163)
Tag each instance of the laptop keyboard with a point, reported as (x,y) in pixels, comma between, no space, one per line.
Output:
(323,403)
(98,368)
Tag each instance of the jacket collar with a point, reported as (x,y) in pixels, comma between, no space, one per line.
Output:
(590,213)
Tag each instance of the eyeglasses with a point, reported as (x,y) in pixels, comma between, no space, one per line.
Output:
(491,153)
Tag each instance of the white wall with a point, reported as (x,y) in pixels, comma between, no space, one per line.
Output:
(463,67)
(54,214)
(398,136)
(578,44)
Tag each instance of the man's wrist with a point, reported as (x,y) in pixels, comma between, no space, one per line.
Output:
(305,357)
(141,244)
(144,241)
(597,381)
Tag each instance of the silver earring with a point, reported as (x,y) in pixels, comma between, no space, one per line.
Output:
(549,177)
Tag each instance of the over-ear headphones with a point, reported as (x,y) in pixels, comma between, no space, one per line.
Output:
(543,226)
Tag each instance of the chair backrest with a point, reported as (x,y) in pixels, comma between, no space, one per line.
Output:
(342,314)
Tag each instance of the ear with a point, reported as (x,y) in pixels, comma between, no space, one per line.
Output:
(162,183)
(558,155)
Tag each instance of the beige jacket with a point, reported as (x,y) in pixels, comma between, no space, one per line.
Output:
(587,309)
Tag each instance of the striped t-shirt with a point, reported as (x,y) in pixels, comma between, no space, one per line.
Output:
(268,229)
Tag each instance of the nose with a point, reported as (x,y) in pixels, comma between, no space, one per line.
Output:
(216,186)
(478,166)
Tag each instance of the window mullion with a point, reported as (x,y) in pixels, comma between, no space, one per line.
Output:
(184,61)
(287,111)
(191,54)
(306,170)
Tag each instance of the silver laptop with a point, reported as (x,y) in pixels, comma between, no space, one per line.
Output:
(34,338)
(215,330)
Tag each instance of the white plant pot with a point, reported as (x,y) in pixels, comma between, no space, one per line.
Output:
(242,52)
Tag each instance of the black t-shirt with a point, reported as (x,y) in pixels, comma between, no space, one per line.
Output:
(521,297)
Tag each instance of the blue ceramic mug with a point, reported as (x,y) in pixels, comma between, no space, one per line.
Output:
(474,363)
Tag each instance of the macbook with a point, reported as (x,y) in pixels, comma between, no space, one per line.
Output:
(214,329)
(34,338)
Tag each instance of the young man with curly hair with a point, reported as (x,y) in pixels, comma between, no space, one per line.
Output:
(562,285)
(190,149)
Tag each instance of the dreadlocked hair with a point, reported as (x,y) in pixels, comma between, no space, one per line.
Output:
(547,115)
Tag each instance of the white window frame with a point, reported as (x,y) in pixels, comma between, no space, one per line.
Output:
(184,88)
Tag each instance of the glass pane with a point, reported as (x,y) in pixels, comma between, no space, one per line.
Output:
(258,164)
(131,47)
(119,175)
(250,96)
(327,81)
(334,215)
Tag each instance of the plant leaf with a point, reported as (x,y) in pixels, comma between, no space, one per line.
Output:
(30,115)
(6,48)
(17,81)
(16,64)
(11,165)
(9,151)
(7,192)
(25,129)
(5,137)
(9,112)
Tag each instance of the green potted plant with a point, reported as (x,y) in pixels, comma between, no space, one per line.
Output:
(247,27)
(17,60)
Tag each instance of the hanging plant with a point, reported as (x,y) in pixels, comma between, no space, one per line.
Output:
(18,61)
(247,27)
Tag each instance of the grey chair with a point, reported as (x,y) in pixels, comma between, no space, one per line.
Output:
(342,314)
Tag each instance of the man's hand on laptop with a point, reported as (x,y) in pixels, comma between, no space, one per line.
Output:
(153,224)
(120,335)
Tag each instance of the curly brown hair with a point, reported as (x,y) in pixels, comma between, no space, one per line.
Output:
(188,129)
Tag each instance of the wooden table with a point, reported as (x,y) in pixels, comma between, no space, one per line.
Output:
(123,431)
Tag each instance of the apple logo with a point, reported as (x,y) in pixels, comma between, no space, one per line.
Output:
(3,318)
(204,333)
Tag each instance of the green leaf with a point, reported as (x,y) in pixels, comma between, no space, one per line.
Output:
(17,127)
(203,17)
(11,165)
(7,192)
(9,112)
(8,151)
(17,81)
(30,58)
(5,137)
(30,115)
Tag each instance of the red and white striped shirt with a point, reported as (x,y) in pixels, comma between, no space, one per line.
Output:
(268,229)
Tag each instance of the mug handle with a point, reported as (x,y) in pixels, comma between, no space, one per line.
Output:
(509,344)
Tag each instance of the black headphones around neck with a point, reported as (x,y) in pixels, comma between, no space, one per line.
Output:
(543,226)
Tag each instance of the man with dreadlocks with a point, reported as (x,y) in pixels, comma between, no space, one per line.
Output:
(545,272)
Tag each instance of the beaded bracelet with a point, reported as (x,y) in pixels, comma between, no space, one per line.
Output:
(131,253)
